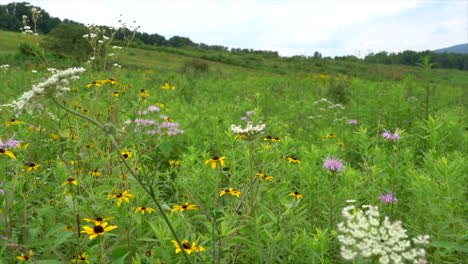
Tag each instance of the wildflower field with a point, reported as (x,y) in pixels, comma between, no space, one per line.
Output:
(224,164)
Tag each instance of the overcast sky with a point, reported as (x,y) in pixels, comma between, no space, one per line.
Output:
(332,27)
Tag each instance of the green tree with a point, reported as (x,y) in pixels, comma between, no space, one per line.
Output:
(67,40)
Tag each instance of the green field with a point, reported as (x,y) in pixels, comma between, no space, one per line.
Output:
(292,217)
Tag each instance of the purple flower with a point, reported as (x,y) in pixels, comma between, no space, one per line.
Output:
(388,135)
(250,113)
(243,118)
(2,191)
(352,122)
(333,164)
(10,143)
(388,198)
(154,108)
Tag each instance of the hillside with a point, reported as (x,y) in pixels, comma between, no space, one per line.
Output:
(461,49)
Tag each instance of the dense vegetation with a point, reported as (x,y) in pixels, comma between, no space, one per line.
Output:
(141,160)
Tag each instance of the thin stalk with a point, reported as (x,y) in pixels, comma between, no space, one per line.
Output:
(149,190)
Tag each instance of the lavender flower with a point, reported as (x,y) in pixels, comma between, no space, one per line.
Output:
(243,118)
(389,136)
(154,108)
(333,164)
(250,113)
(10,143)
(352,122)
(388,198)
(2,191)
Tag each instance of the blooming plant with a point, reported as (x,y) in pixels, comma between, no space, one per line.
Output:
(364,235)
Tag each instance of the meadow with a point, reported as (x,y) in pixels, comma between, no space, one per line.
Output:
(141,163)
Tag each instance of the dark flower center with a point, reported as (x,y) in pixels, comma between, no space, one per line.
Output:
(98,219)
(294,158)
(296,193)
(215,158)
(125,155)
(26,257)
(143,208)
(184,206)
(32,165)
(98,229)
(2,151)
(12,120)
(227,191)
(71,179)
(276,138)
(186,245)
(119,195)
(268,137)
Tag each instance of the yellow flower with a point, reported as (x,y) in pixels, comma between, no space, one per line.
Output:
(68,228)
(97,230)
(110,80)
(144,93)
(297,195)
(32,166)
(25,257)
(14,122)
(174,163)
(341,145)
(264,176)
(126,154)
(189,248)
(269,138)
(143,209)
(82,257)
(22,146)
(330,135)
(121,196)
(215,161)
(95,173)
(8,153)
(95,84)
(98,220)
(294,160)
(168,86)
(115,94)
(184,207)
(230,191)
(70,180)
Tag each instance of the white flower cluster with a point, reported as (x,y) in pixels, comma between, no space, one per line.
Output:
(4,66)
(363,235)
(55,85)
(250,130)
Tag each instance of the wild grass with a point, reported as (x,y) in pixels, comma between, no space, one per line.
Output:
(426,169)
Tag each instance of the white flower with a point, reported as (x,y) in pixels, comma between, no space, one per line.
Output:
(111,54)
(55,86)
(33,71)
(250,130)
(363,235)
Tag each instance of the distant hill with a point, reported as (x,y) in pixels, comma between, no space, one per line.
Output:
(462,48)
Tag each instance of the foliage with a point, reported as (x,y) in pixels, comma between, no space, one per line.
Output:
(67,40)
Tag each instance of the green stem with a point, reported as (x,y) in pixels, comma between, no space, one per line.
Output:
(149,190)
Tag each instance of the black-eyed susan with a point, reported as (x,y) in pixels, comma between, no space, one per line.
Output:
(144,210)
(230,191)
(215,161)
(160,261)
(264,176)
(69,228)
(110,81)
(70,180)
(73,136)
(187,246)
(25,257)
(121,196)
(184,207)
(54,137)
(89,145)
(168,86)
(296,194)
(126,154)
(82,257)
(276,139)
(98,220)
(341,145)
(267,138)
(97,230)
(144,93)
(294,159)
(32,167)
(330,135)
(93,84)
(137,168)
(7,153)
(95,173)
(174,163)
(13,122)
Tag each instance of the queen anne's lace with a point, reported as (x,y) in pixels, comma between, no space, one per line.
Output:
(363,235)
(250,130)
(55,86)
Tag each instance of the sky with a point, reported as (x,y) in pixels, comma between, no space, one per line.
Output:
(331,27)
